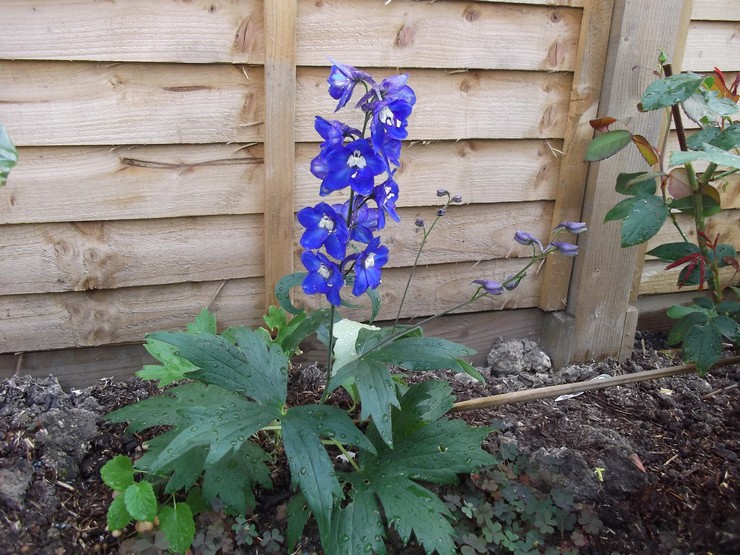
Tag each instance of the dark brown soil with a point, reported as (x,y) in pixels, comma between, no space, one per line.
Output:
(678,492)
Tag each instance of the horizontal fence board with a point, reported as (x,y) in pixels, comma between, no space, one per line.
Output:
(492,35)
(440,287)
(45,258)
(439,34)
(657,280)
(719,10)
(571,3)
(470,233)
(724,224)
(456,105)
(82,367)
(711,44)
(481,171)
(86,319)
(83,103)
(57,184)
(196,31)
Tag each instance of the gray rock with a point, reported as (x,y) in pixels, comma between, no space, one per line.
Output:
(621,476)
(65,438)
(14,483)
(566,469)
(517,356)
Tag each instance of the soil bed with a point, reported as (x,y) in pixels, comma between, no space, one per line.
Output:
(668,450)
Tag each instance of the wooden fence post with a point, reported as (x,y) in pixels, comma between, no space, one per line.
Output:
(279,136)
(599,320)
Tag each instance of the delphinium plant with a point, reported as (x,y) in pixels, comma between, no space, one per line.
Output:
(684,188)
(8,155)
(358,472)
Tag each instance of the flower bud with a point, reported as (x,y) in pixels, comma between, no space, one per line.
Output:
(524,238)
(512,282)
(440,212)
(419,222)
(573,227)
(442,192)
(491,287)
(566,249)
(457,199)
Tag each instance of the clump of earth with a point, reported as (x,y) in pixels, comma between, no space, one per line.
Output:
(657,460)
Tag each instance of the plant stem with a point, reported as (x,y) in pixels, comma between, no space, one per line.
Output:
(329,356)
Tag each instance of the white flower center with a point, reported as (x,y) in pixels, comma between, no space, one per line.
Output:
(356,160)
(324,271)
(326,223)
(386,116)
(369,260)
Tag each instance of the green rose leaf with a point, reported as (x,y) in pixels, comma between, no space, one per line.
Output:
(702,345)
(141,503)
(668,91)
(118,473)
(607,144)
(642,218)
(178,526)
(707,153)
(637,184)
(670,252)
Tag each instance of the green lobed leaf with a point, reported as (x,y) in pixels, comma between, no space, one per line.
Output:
(670,252)
(248,367)
(637,184)
(377,392)
(332,423)
(421,353)
(118,517)
(118,473)
(682,327)
(375,303)
(607,144)
(702,345)
(205,322)
(470,370)
(642,218)
(8,155)
(178,526)
(707,153)
(357,528)
(232,478)
(411,508)
(298,513)
(311,468)
(141,503)
(283,287)
(668,91)
(173,368)
(421,404)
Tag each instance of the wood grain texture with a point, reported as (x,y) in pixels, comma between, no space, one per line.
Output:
(457,105)
(68,184)
(725,224)
(587,80)
(200,31)
(442,34)
(483,171)
(82,256)
(86,103)
(656,280)
(717,10)
(83,103)
(280,88)
(85,319)
(601,286)
(711,44)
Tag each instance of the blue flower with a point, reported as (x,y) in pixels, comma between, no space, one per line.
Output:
(491,287)
(363,221)
(385,196)
(392,88)
(524,238)
(390,119)
(566,249)
(368,265)
(334,134)
(355,165)
(323,277)
(573,227)
(324,227)
(342,80)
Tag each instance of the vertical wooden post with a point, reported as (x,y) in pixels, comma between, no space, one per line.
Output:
(280,89)
(599,320)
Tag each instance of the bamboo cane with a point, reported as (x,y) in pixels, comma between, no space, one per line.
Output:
(564,389)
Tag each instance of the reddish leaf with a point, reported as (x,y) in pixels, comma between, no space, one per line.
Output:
(602,124)
(720,86)
(637,462)
(678,183)
(648,151)
(712,193)
(732,262)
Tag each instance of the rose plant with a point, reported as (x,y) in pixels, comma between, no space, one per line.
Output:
(708,101)
(357,472)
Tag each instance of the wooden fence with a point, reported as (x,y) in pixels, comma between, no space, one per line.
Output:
(164,149)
